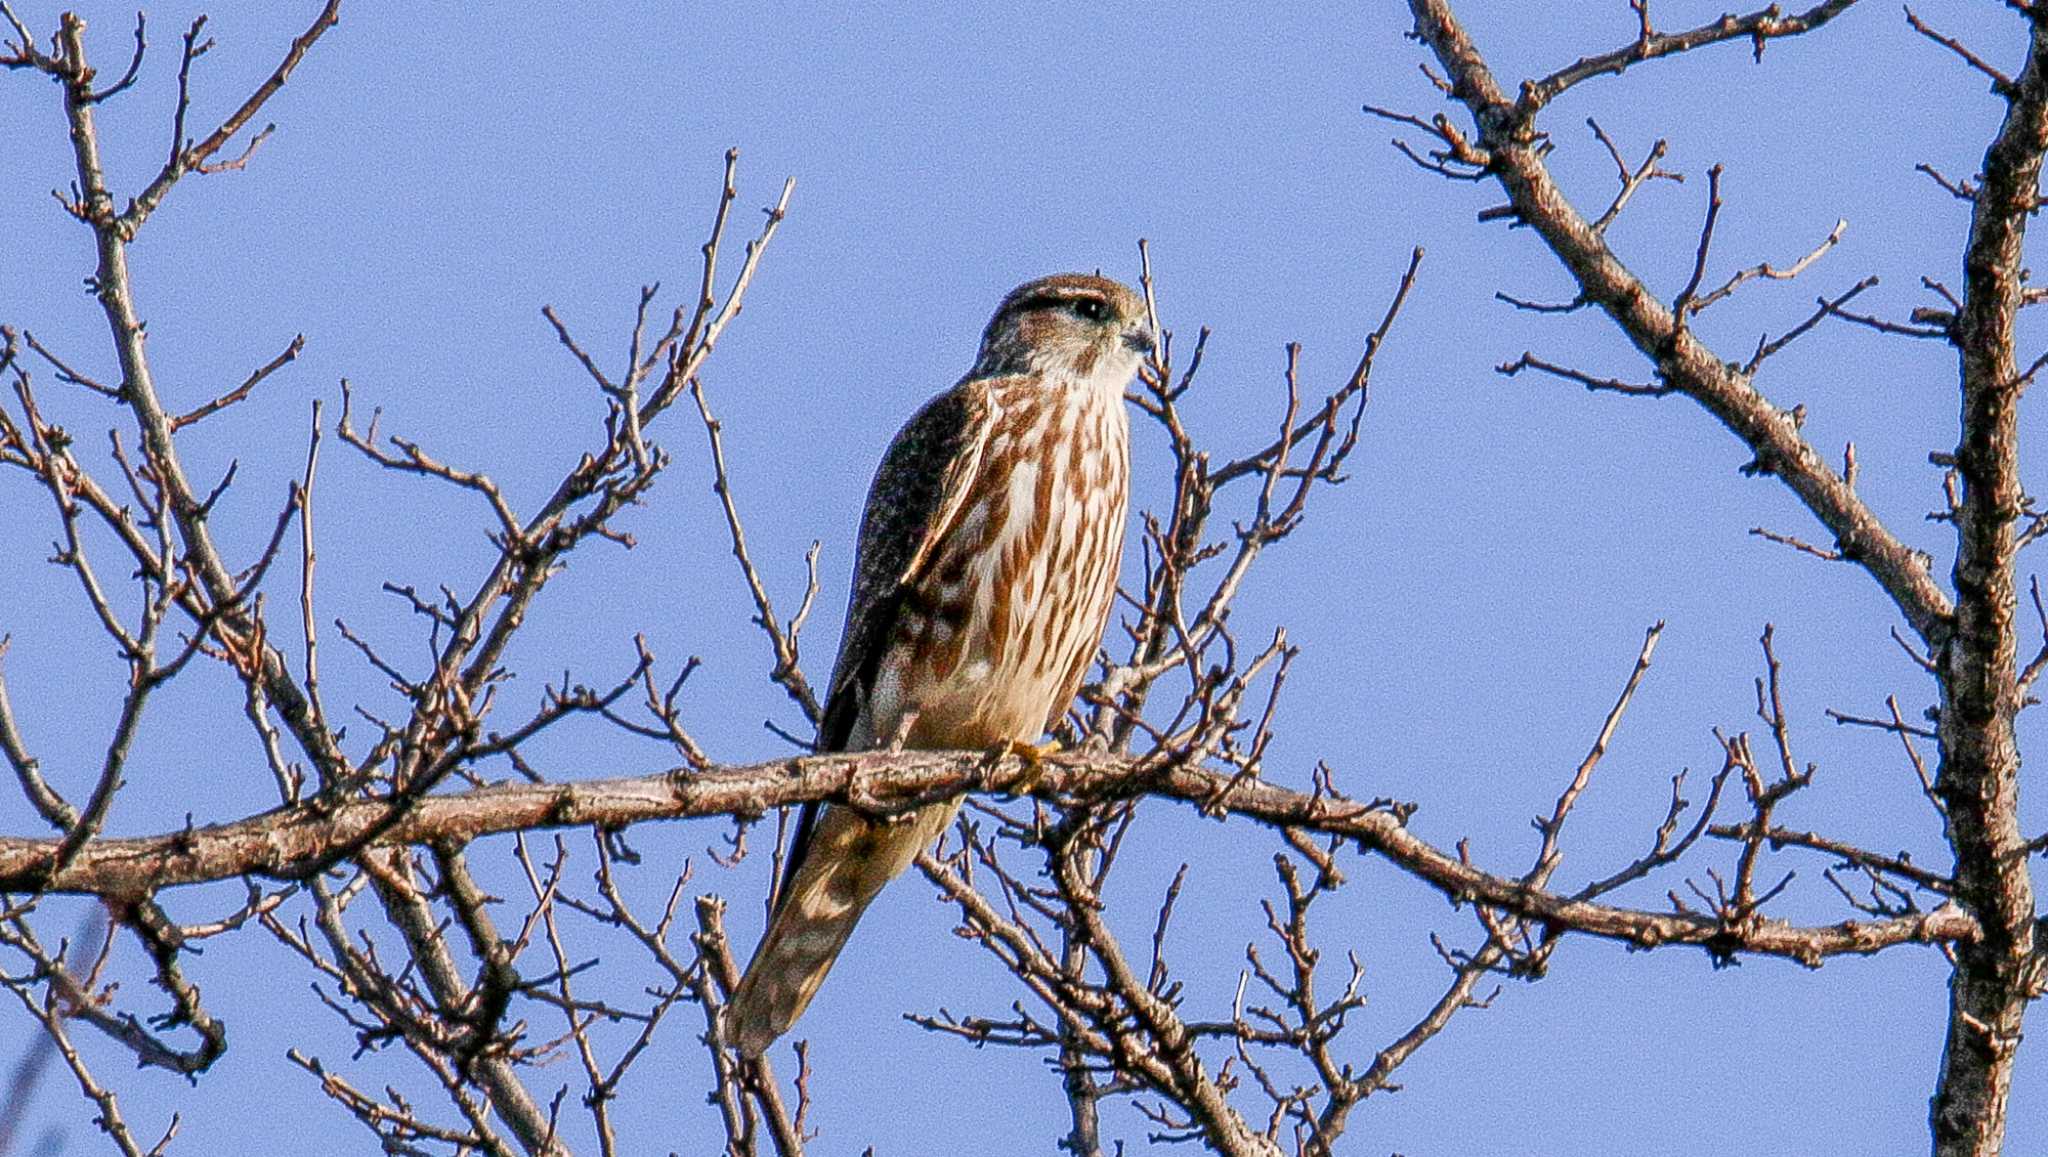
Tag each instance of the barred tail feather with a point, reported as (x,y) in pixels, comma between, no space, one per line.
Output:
(849,860)
(786,971)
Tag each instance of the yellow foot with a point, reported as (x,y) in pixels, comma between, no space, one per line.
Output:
(1033,755)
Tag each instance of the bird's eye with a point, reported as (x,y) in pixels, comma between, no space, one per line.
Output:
(1091,308)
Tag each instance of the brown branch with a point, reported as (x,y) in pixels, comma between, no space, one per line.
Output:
(1799,544)
(134,65)
(1684,364)
(1771,272)
(289,841)
(1824,307)
(65,373)
(1978,778)
(405,903)
(747,1091)
(1899,865)
(239,629)
(782,637)
(1549,855)
(1964,190)
(22,49)
(186,157)
(1756,27)
(290,354)
(1529,361)
(1894,328)
(1631,181)
(52,1018)
(2001,84)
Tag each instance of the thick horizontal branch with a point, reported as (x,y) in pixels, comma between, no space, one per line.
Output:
(290,842)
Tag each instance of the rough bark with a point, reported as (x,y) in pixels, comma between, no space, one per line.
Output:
(1997,974)
(290,842)
(1972,639)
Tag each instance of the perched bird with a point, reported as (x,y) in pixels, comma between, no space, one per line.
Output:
(987,564)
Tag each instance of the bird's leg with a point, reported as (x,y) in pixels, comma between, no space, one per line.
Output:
(1033,755)
(899,735)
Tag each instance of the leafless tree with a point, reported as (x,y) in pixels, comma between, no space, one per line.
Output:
(363,868)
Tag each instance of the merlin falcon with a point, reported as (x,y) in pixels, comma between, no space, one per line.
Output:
(987,565)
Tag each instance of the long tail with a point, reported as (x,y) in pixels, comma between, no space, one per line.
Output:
(849,859)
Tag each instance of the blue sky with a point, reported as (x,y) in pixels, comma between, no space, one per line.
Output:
(1468,603)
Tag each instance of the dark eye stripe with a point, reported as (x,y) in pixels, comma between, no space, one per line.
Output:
(1091,308)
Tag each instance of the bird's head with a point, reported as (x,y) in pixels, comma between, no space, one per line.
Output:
(1069,325)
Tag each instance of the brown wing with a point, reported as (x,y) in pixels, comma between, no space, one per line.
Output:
(917,495)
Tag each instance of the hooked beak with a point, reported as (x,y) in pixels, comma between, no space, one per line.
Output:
(1139,340)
